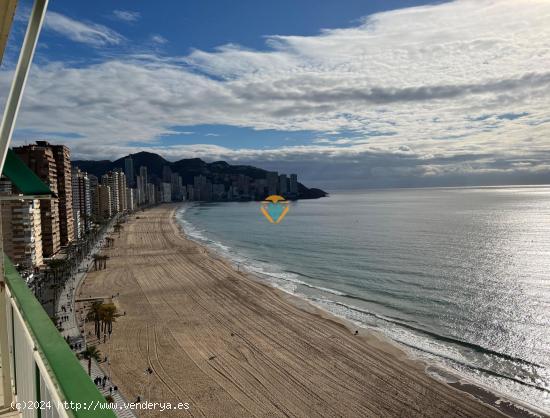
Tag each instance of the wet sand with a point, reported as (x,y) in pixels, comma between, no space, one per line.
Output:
(231,346)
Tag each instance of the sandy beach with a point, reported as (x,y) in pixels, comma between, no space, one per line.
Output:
(231,346)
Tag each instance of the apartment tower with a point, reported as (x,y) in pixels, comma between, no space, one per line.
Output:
(40,159)
(62,157)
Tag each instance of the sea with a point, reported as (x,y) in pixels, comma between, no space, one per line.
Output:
(458,277)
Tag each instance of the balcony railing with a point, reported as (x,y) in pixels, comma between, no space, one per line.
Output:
(43,371)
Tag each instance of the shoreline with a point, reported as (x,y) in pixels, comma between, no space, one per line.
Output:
(176,284)
(511,407)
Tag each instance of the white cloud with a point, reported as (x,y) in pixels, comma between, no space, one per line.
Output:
(438,85)
(158,39)
(127,15)
(88,33)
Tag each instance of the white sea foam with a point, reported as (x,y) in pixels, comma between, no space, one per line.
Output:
(419,346)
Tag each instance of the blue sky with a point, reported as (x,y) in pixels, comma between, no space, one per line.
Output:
(347,93)
(179,27)
(206,25)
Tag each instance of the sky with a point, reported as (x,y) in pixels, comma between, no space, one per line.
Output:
(348,93)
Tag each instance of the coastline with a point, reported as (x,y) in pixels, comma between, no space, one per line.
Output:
(369,376)
(509,406)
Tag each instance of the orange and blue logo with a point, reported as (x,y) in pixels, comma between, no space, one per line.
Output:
(274,208)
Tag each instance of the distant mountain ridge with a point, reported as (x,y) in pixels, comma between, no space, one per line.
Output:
(186,168)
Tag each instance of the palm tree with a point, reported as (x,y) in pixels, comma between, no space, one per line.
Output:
(56,267)
(94,314)
(117,228)
(107,314)
(90,353)
(104,259)
(97,259)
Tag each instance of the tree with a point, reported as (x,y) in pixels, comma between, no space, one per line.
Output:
(104,259)
(118,227)
(97,258)
(107,315)
(94,314)
(57,268)
(90,353)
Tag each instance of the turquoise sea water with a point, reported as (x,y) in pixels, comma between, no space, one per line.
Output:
(461,277)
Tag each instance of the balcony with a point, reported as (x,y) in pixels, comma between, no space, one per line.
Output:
(37,365)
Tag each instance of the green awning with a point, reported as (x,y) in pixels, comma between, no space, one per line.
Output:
(23,177)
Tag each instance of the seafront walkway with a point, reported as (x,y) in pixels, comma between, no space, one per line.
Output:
(71,327)
(116,395)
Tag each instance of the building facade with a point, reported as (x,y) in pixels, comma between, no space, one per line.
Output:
(272,178)
(166,192)
(111,179)
(102,206)
(62,157)
(41,160)
(129,171)
(283,185)
(293,185)
(22,231)
(82,202)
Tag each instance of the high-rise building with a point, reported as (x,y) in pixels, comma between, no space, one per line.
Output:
(190,189)
(129,171)
(166,192)
(218,191)
(260,187)
(143,189)
(166,174)
(22,232)
(177,187)
(243,184)
(143,173)
(293,189)
(82,202)
(62,156)
(130,199)
(93,181)
(283,184)
(151,194)
(202,188)
(78,233)
(183,192)
(41,160)
(102,205)
(111,179)
(122,194)
(78,227)
(272,178)
(140,190)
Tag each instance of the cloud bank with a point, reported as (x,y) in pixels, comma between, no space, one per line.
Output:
(92,34)
(127,15)
(456,90)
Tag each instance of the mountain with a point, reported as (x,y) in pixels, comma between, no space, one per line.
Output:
(216,172)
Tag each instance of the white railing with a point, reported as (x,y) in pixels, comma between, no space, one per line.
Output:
(41,375)
(34,392)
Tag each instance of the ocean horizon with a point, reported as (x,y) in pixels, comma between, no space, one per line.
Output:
(458,277)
